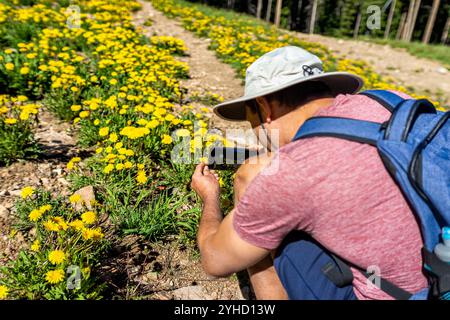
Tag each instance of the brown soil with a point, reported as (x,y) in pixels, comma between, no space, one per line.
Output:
(139,269)
(47,172)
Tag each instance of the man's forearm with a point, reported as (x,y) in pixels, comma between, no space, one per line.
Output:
(210,220)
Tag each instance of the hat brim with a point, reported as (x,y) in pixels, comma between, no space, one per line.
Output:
(338,82)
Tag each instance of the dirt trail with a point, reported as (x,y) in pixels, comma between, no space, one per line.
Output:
(57,143)
(425,76)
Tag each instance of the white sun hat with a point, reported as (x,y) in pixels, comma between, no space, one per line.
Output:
(280,69)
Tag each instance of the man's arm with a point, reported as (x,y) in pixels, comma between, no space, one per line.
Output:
(222,251)
(247,172)
(263,276)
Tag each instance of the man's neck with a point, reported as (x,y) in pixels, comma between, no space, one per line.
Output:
(293,120)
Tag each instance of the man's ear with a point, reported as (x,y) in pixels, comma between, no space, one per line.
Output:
(264,107)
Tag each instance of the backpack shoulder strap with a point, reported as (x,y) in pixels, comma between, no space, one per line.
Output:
(387,99)
(341,275)
(349,129)
(404,116)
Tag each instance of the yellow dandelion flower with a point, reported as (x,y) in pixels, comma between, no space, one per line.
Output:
(103,132)
(128,165)
(10,121)
(75,108)
(70,165)
(45,208)
(142,122)
(113,137)
(152,124)
(141,177)
(169,117)
(35,215)
(166,139)
(129,153)
(24,116)
(51,226)
(27,192)
(55,224)
(87,233)
(36,246)
(54,276)
(56,257)
(3,292)
(75,198)
(108,168)
(97,234)
(24,70)
(84,114)
(9,66)
(77,224)
(89,217)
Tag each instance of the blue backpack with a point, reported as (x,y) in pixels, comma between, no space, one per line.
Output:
(414,145)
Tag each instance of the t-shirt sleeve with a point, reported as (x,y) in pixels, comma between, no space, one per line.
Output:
(274,204)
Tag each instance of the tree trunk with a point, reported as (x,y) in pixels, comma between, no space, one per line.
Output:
(389,21)
(278,12)
(408,20)
(431,21)
(312,22)
(445,32)
(259,9)
(357,24)
(413,21)
(294,15)
(269,10)
(401,26)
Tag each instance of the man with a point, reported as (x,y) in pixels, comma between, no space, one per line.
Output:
(315,197)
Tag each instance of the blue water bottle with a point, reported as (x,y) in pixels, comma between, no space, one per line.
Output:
(442,251)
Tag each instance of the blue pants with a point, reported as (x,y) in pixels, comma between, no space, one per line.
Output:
(299,262)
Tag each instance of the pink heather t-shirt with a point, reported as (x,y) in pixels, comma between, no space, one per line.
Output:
(340,193)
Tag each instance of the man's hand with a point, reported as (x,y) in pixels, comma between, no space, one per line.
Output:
(205,182)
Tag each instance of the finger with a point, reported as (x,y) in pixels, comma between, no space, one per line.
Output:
(199,169)
(206,170)
(217,176)
(212,171)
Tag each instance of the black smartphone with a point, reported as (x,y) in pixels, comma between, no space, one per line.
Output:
(221,158)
